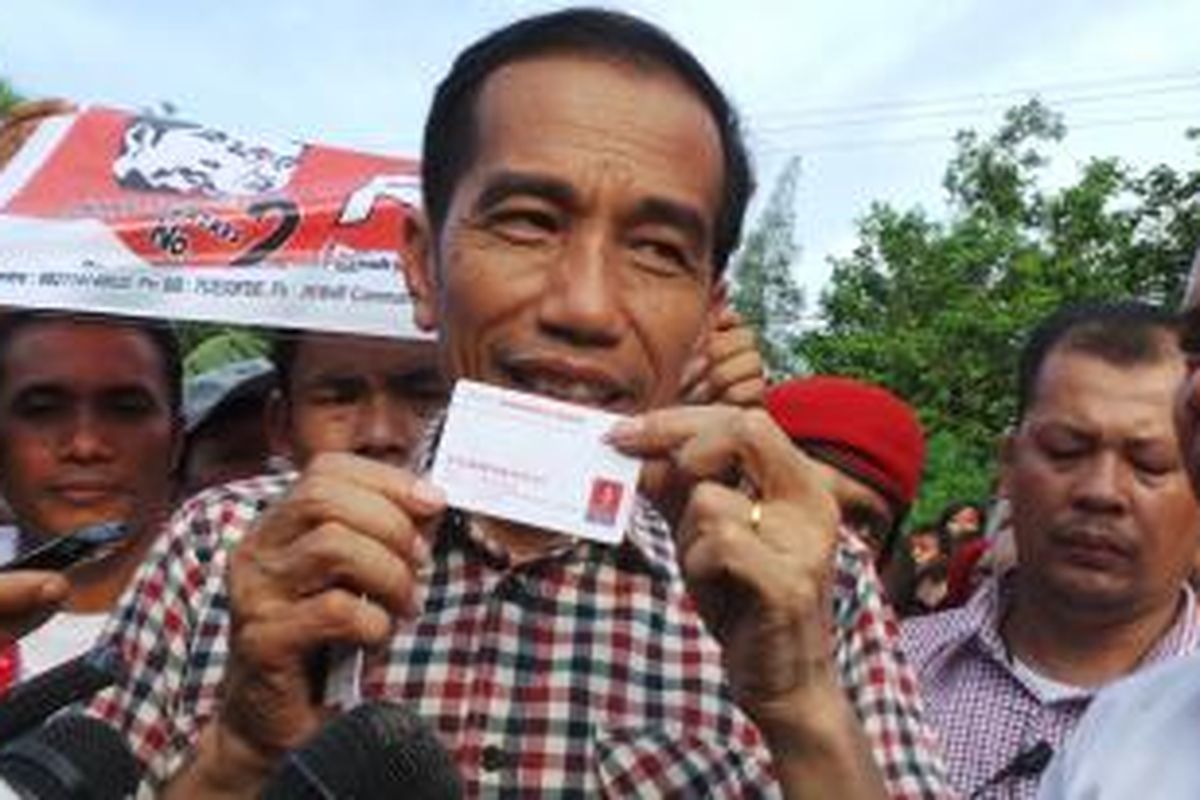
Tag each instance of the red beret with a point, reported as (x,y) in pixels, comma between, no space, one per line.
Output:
(862,429)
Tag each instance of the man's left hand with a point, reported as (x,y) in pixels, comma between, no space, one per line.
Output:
(729,369)
(755,542)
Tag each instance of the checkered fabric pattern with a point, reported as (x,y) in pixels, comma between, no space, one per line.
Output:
(583,673)
(985,710)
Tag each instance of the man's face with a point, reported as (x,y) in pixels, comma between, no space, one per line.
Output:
(1102,511)
(964,523)
(575,260)
(86,432)
(923,547)
(864,510)
(1187,400)
(232,447)
(360,395)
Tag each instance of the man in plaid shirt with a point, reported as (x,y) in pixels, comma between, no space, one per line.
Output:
(1105,525)
(585,182)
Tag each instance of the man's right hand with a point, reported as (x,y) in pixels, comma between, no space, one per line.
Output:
(27,599)
(336,562)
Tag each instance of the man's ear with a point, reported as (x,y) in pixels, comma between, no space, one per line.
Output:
(420,270)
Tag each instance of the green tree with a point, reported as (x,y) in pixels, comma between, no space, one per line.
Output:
(937,309)
(765,291)
(8,97)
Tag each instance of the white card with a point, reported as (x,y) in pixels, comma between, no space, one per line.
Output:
(536,461)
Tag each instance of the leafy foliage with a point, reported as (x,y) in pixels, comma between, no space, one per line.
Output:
(937,309)
(765,291)
(8,97)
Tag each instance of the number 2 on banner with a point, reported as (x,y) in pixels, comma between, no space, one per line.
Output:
(289,220)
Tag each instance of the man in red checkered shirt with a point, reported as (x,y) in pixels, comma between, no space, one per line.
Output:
(584,182)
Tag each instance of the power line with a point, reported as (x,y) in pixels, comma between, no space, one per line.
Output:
(975,97)
(860,144)
(965,110)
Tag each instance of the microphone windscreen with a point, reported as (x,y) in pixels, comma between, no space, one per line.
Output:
(30,702)
(376,750)
(71,757)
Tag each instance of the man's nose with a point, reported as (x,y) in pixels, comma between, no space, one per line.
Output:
(1103,482)
(387,428)
(582,297)
(86,439)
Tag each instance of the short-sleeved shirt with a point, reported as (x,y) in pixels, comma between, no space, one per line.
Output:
(583,672)
(1139,739)
(991,711)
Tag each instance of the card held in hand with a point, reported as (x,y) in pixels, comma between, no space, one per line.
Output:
(536,461)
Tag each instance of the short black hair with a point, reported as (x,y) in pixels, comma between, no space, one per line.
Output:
(450,129)
(159,333)
(1123,333)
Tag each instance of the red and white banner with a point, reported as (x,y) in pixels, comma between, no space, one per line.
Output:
(112,212)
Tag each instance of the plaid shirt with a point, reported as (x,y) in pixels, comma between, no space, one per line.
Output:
(586,672)
(986,710)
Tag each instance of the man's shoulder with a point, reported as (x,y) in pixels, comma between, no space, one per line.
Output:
(219,516)
(1174,683)
(924,637)
(1139,732)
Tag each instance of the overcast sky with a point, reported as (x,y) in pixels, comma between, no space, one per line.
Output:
(867,93)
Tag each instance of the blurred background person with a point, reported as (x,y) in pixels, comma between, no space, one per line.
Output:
(90,432)
(1105,524)
(225,424)
(869,447)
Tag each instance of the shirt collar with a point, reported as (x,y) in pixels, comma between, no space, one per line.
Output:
(980,619)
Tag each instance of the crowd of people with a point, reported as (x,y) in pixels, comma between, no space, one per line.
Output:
(772,622)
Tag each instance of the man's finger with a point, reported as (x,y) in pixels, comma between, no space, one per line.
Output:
(730,343)
(27,598)
(332,556)
(657,434)
(407,490)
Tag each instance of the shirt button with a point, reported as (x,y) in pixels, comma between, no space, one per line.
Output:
(494,758)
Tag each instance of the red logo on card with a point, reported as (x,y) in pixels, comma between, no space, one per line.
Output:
(605,501)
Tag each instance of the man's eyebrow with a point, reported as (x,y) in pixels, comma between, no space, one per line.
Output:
(507,183)
(657,210)
(335,378)
(43,387)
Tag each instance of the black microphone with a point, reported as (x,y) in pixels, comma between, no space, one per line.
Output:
(30,702)
(377,750)
(71,757)
(1029,763)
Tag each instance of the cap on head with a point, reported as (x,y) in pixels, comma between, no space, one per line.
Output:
(860,428)
(206,394)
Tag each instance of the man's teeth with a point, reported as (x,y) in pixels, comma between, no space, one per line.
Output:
(571,391)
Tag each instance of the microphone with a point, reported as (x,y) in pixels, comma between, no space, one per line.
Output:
(29,703)
(377,750)
(1029,763)
(72,757)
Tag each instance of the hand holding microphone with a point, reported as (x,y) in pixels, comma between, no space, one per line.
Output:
(32,586)
(27,599)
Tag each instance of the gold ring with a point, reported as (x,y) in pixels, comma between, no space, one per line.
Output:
(755,516)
